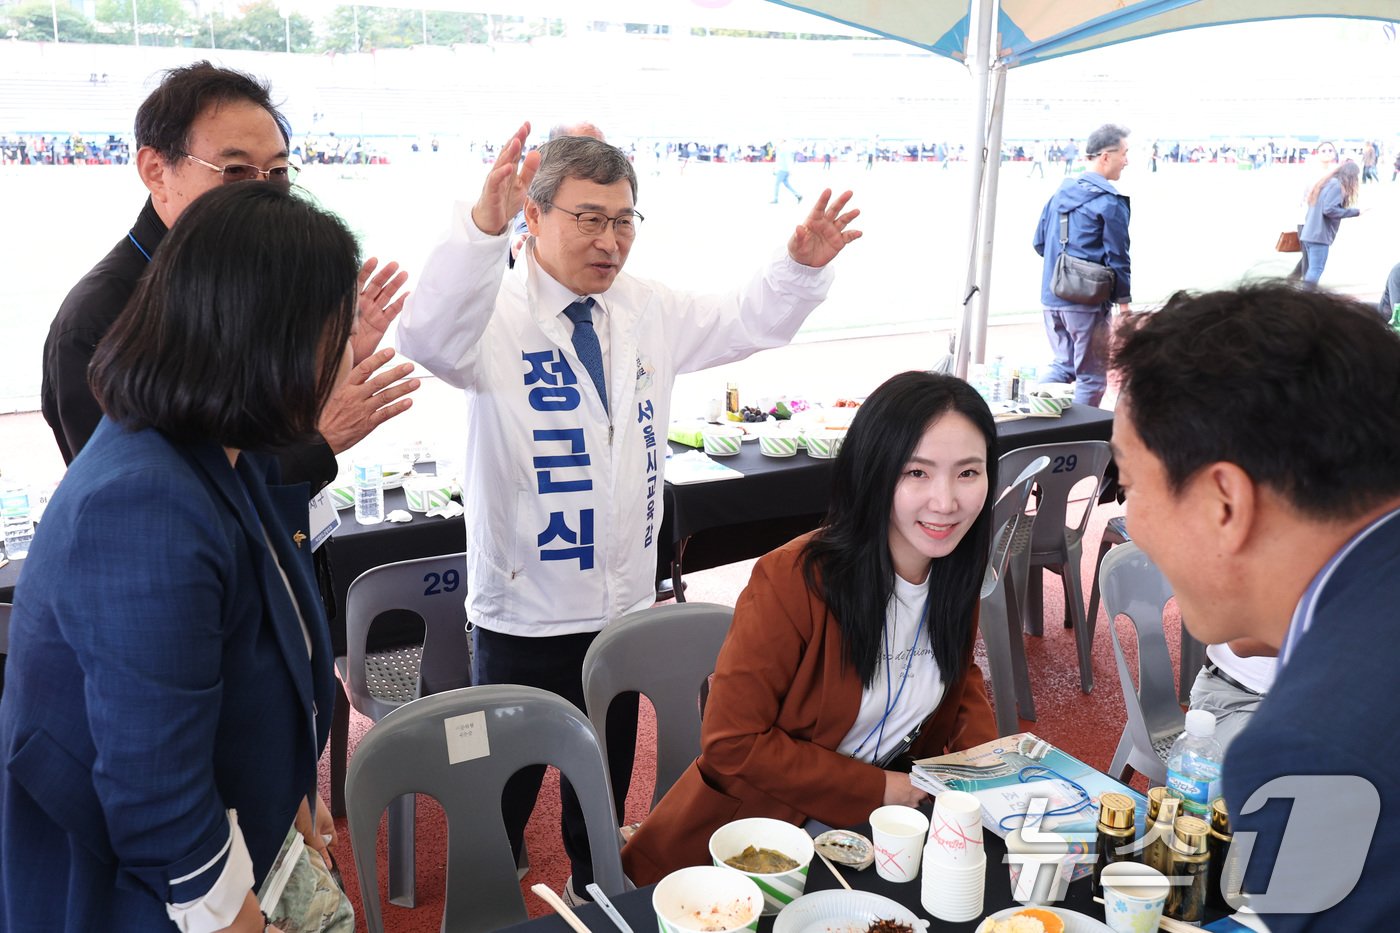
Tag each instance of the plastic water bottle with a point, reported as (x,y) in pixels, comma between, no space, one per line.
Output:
(14,514)
(369,493)
(1193,766)
(994,375)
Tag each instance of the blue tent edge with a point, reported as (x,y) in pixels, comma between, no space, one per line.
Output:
(1018,51)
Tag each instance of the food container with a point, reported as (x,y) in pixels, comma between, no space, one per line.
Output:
(779,888)
(706,899)
(777,445)
(722,441)
(425,493)
(824,445)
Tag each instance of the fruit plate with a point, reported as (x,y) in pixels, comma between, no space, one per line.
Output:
(1074,921)
(843,912)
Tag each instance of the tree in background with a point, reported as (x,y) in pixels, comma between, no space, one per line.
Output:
(384,28)
(261,27)
(33,22)
(159,22)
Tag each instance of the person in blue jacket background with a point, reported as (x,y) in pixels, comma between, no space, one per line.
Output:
(170,684)
(1098,231)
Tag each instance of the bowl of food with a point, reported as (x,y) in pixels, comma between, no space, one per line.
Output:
(778,445)
(825,444)
(721,441)
(776,855)
(706,899)
(424,493)
(1041,920)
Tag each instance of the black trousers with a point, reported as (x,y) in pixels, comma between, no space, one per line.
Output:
(555,664)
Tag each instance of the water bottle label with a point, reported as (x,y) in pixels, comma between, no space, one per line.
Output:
(1196,794)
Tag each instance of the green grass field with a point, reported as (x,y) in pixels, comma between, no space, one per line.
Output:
(1194,226)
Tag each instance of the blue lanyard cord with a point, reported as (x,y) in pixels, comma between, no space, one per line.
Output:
(1041,773)
(130,236)
(890,703)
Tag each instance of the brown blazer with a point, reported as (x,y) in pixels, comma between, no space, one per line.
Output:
(782,700)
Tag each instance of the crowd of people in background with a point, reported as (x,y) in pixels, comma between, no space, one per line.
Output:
(74,149)
(331,149)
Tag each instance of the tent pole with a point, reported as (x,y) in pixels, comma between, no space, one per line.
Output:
(989,217)
(981,66)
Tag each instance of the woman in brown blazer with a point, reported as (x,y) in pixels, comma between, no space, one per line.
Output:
(851,648)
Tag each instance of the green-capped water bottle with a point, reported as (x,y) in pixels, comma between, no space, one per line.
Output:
(1395,318)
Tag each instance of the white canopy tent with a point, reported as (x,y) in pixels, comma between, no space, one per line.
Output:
(1028,31)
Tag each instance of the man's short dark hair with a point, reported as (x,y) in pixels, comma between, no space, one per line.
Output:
(1106,137)
(579,157)
(237,330)
(164,118)
(1298,387)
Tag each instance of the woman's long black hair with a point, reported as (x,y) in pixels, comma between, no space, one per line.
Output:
(847,562)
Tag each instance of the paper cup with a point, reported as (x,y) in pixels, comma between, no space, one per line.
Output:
(1039,866)
(777,445)
(955,829)
(898,837)
(779,888)
(722,443)
(706,898)
(954,894)
(1133,896)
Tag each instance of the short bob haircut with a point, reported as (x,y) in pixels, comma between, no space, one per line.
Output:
(579,157)
(164,118)
(236,333)
(1298,387)
(847,562)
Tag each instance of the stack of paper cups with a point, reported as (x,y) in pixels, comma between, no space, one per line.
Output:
(955,862)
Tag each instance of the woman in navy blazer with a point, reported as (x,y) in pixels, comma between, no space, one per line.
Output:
(169,683)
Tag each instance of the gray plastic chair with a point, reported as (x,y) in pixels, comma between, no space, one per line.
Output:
(380,682)
(1135,588)
(1115,532)
(1054,546)
(494,731)
(1001,628)
(1193,652)
(667,654)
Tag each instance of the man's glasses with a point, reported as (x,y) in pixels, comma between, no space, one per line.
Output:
(283,175)
(592,223)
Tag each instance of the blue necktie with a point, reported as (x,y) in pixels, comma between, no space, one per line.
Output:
(590,354)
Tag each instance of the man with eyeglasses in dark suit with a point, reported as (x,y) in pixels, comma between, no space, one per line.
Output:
(202,127)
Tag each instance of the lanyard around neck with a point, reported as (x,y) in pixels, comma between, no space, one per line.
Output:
(892,702)
(132,237)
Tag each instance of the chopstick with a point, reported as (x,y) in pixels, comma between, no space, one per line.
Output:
(1167,923)
(562,909)
(839,877)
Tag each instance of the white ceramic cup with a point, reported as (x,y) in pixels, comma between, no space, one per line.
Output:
(1133,896)
(955,829)
(898,835)
(1038,862)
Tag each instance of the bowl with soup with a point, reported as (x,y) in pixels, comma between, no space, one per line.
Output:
(706,899)
(774,854)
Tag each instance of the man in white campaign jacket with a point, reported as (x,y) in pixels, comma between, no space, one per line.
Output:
(566,432)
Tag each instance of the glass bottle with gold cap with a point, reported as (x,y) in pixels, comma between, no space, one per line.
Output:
(1117,832)
(1190,870)
(1220,837)
(1161,818)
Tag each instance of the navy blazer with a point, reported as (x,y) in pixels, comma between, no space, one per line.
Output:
(1331,711)
(158,676)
